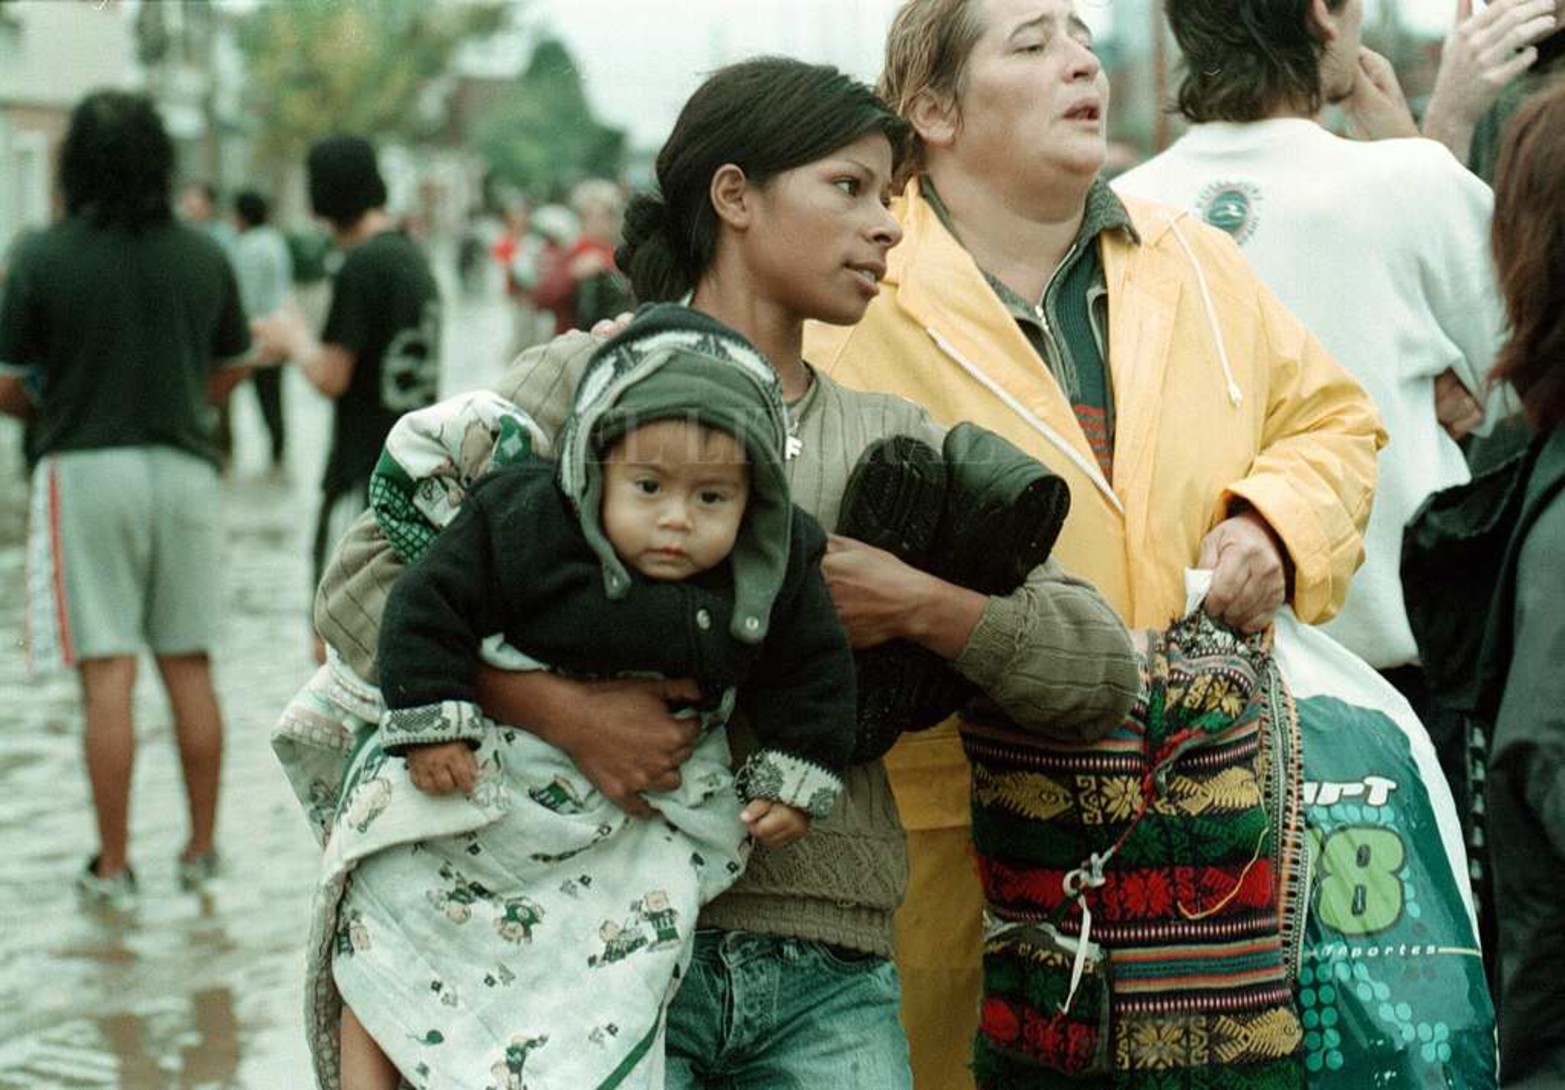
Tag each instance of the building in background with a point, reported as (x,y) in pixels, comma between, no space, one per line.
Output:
(191,66)
(50,56)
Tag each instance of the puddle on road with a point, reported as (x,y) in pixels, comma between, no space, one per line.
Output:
(186,991)
(193,1045)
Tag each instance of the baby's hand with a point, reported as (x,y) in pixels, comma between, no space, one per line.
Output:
(439,768)
(775,824)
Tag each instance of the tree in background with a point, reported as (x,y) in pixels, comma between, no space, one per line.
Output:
(324,66)
(542,136)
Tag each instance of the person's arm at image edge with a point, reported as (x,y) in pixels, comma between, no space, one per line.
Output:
(1482,54)
(14,399)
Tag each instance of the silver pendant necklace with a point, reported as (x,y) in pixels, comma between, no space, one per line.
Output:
(794,445)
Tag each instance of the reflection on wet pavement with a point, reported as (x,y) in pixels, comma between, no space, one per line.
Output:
(191,1044)
(185,991)
(177,991)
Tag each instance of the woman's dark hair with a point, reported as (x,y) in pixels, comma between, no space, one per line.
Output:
(1528,238)
(117,161)
(252,207)
(1244,58)
(765,116)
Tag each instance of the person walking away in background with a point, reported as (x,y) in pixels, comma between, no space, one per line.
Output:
(265,272)
(585,285)
(198,206)
(133,322)
(378,355)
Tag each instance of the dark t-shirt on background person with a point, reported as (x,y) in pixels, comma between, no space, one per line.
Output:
(121,324)
(385,309)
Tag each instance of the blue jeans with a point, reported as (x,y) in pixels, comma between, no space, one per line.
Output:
(785,1014)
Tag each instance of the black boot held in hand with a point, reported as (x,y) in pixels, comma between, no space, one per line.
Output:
(982,516)
(1004,511)
(895,500)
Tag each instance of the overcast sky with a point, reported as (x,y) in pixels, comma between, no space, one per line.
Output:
(642,58)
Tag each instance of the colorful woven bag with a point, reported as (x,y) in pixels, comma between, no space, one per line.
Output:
(1144,892)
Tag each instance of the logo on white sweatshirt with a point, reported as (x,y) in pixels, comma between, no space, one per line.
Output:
(1232,206)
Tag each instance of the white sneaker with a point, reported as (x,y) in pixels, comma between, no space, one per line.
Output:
(196,873)
(118,891)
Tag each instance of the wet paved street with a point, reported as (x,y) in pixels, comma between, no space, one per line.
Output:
(185,991)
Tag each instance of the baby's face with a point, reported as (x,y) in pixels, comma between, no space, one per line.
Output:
(674,494)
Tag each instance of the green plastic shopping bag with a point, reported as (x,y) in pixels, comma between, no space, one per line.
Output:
(1391,985)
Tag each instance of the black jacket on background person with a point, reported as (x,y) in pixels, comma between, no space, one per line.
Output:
(1495,548)
(1524,662)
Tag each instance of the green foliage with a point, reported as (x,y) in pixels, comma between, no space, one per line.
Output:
(543,136)
(324,66)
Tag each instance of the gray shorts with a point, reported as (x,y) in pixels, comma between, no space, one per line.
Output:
(123,551)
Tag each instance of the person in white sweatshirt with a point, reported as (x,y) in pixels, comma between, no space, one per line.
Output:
(1381,248)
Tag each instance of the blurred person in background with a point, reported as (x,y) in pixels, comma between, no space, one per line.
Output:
(265,273)
(515,251)
(378,355)
(1525,646)
(585,286)
(473,249)
(198,206)
(133,323)
(551,231)
(30,425)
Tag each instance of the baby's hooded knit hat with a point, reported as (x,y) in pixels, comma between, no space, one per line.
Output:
(673,362)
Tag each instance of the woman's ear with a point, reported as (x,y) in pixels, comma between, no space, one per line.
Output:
(1324,21)
(935,118)
(730,194)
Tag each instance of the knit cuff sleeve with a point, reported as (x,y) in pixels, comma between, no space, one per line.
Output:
(448,721)
(1054,658)
(793,781)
